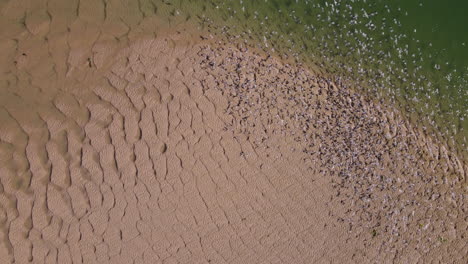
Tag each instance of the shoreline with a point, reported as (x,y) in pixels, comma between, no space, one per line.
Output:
(362,85)
(428,133)
(452,133)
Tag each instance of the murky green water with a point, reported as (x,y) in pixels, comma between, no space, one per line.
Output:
(413,53)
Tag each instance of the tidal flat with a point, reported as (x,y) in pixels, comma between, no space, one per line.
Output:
(228,132)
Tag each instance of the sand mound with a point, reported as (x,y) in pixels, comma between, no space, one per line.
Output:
(123,156)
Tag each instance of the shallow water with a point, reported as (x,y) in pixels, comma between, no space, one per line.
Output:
(411,53)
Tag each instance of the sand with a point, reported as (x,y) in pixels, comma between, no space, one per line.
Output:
(128,141)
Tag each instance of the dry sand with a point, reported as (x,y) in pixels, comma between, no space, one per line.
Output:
(132,142)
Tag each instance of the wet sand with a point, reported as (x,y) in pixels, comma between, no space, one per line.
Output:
(132,142)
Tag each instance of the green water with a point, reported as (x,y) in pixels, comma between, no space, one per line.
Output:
(411,53)
(442,23)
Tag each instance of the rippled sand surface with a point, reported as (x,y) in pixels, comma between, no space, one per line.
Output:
(125,140)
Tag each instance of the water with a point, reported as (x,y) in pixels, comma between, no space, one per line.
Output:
(442,23)
(410,53)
